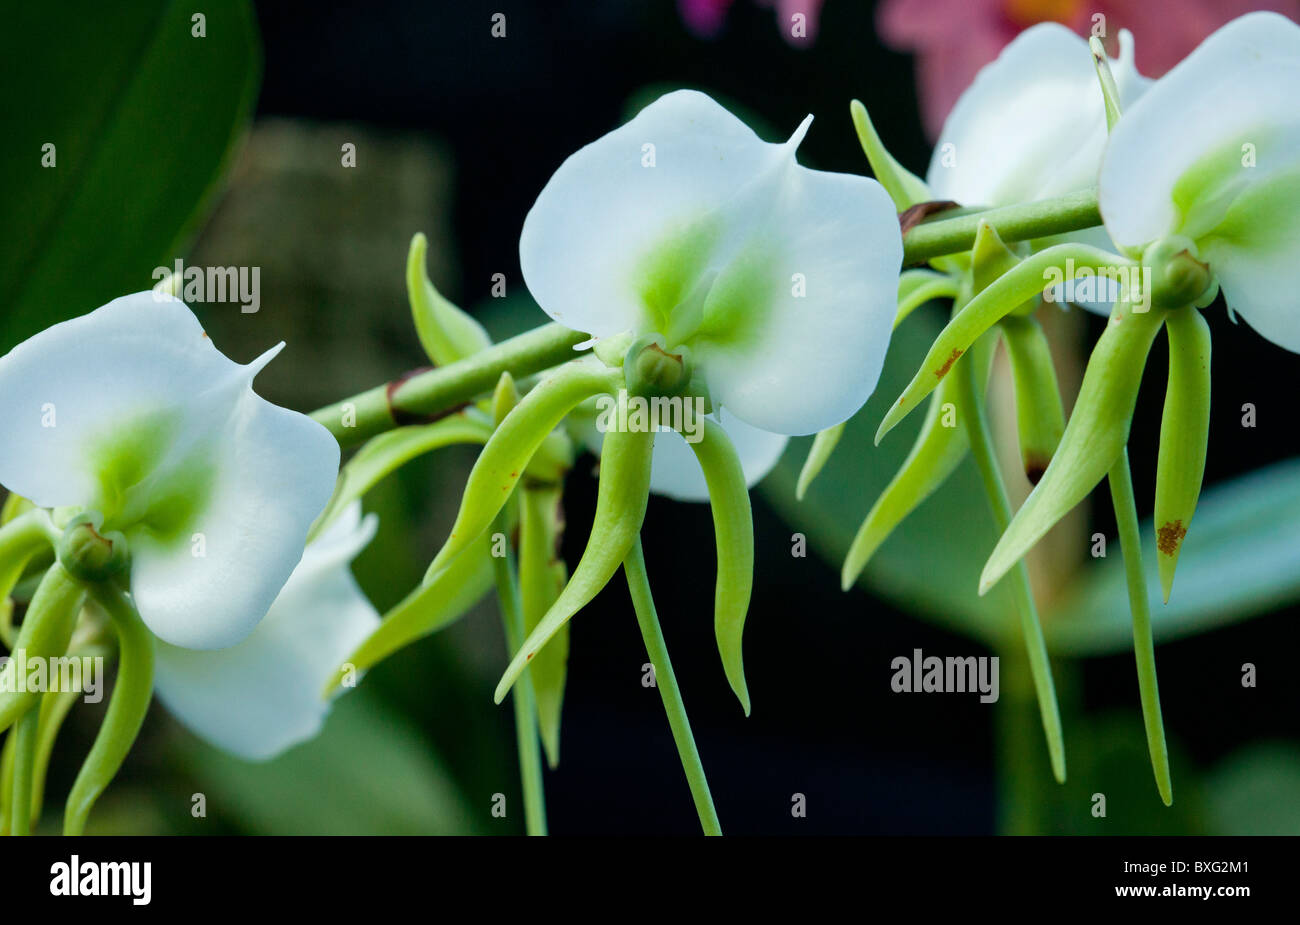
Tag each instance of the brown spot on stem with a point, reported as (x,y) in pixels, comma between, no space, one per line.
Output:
(947,364)
(529,656)
(1035,466)
(1170,537)
(401,416)
(912,216)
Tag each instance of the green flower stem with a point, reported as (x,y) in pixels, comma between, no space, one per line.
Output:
(522,697)
(954,231)
(46,632)
(24,763)
(127,706)
(638,583)
(357,419)
(1022,802)
(20,539)
(1144,650)
(426,394)
(1040,666)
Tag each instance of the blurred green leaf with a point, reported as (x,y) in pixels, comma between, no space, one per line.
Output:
(1108,756)
(367,773)
(143,117)
(1257,791)
(931,562)
(1241,558)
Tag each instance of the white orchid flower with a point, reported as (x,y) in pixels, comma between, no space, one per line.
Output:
(777,280)
(1033,123)
(1033,126)
(263,695)
(132,413)
(1211,156)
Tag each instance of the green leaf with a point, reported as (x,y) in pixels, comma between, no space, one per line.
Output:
(1242,560)
(143,117)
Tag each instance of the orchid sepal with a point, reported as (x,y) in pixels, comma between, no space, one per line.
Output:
(1184,437)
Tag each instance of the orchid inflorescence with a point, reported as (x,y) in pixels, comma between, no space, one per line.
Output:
(710,298)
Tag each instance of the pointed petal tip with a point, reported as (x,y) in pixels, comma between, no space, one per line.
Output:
(797,137)
(261,362)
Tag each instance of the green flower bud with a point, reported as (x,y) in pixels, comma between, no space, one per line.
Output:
(87,553)
(652,371)
(1178,278)
(504,397)
(613,349)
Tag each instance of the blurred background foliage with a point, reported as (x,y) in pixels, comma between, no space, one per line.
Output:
(224,150)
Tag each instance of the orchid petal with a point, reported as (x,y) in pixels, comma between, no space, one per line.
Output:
(598,221)
(131,410)
(261,696)
(1033,123)
(1176,161)
(675,472)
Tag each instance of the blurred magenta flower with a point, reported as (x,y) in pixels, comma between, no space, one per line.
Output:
(953,39)
(705,18)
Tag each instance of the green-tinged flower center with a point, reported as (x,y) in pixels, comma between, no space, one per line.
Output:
(145,483)
(688,297)
(1207,189)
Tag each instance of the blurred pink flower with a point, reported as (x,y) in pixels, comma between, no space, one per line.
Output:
(953,39)
(704,18)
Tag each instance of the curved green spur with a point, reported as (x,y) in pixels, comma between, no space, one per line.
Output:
(542,577)
(1184,436)
(940,446)
(519,435)
(1094,437)
(733,529)
(823,445)
(621,499)
(388,452)
(1027,279)
(45,633)
(1040,414)
(447,332)
(428,608)
(127,706)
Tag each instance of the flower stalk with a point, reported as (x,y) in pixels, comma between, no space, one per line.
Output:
(638,583)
